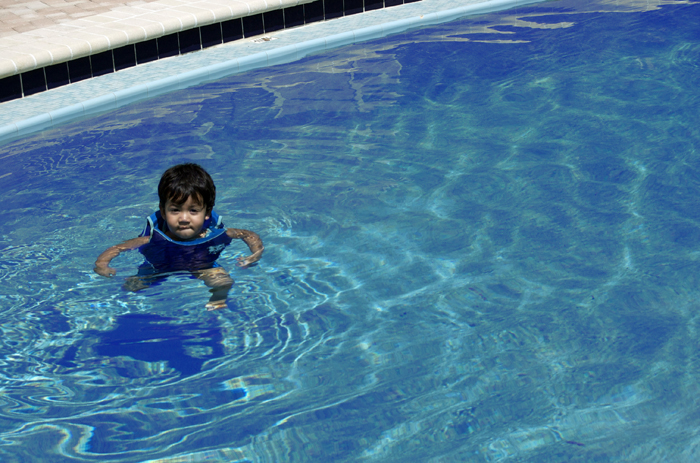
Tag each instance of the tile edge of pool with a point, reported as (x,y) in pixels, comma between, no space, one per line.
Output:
(280,55)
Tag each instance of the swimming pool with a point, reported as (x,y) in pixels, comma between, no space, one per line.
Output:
(493,259)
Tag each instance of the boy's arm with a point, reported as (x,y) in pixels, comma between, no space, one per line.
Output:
(252,240)
(102,263)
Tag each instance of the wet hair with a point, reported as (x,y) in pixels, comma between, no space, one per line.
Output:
(187,180)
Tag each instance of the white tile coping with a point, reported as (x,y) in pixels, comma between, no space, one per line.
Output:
(126,25)
(272,56)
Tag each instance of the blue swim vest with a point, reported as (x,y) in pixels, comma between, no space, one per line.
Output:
(167,255)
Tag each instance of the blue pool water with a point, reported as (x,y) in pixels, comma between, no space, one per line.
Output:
(482,244)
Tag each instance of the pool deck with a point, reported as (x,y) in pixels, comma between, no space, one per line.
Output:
(25,24)
(38,33)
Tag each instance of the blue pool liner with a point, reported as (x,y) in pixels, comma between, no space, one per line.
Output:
(281,55)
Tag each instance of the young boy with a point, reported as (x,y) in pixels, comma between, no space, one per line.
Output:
(184,234)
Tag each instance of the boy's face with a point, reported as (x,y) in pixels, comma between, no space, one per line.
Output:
(184,221)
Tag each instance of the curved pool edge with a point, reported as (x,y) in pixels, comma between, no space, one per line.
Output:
(281,55)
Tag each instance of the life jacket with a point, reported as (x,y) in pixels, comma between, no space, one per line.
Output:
(167,255)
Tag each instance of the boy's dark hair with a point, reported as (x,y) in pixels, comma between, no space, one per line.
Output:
(184,180)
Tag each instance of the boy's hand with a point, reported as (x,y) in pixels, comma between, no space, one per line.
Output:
(251,259)
(105,271)
(254,244)
(102,263)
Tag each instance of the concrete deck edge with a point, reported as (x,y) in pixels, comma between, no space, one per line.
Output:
(280,55)
(57,44)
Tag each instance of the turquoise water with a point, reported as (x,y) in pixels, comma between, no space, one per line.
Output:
(493,258)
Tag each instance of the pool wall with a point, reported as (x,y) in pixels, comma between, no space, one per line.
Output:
(44,66)
(44,110)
